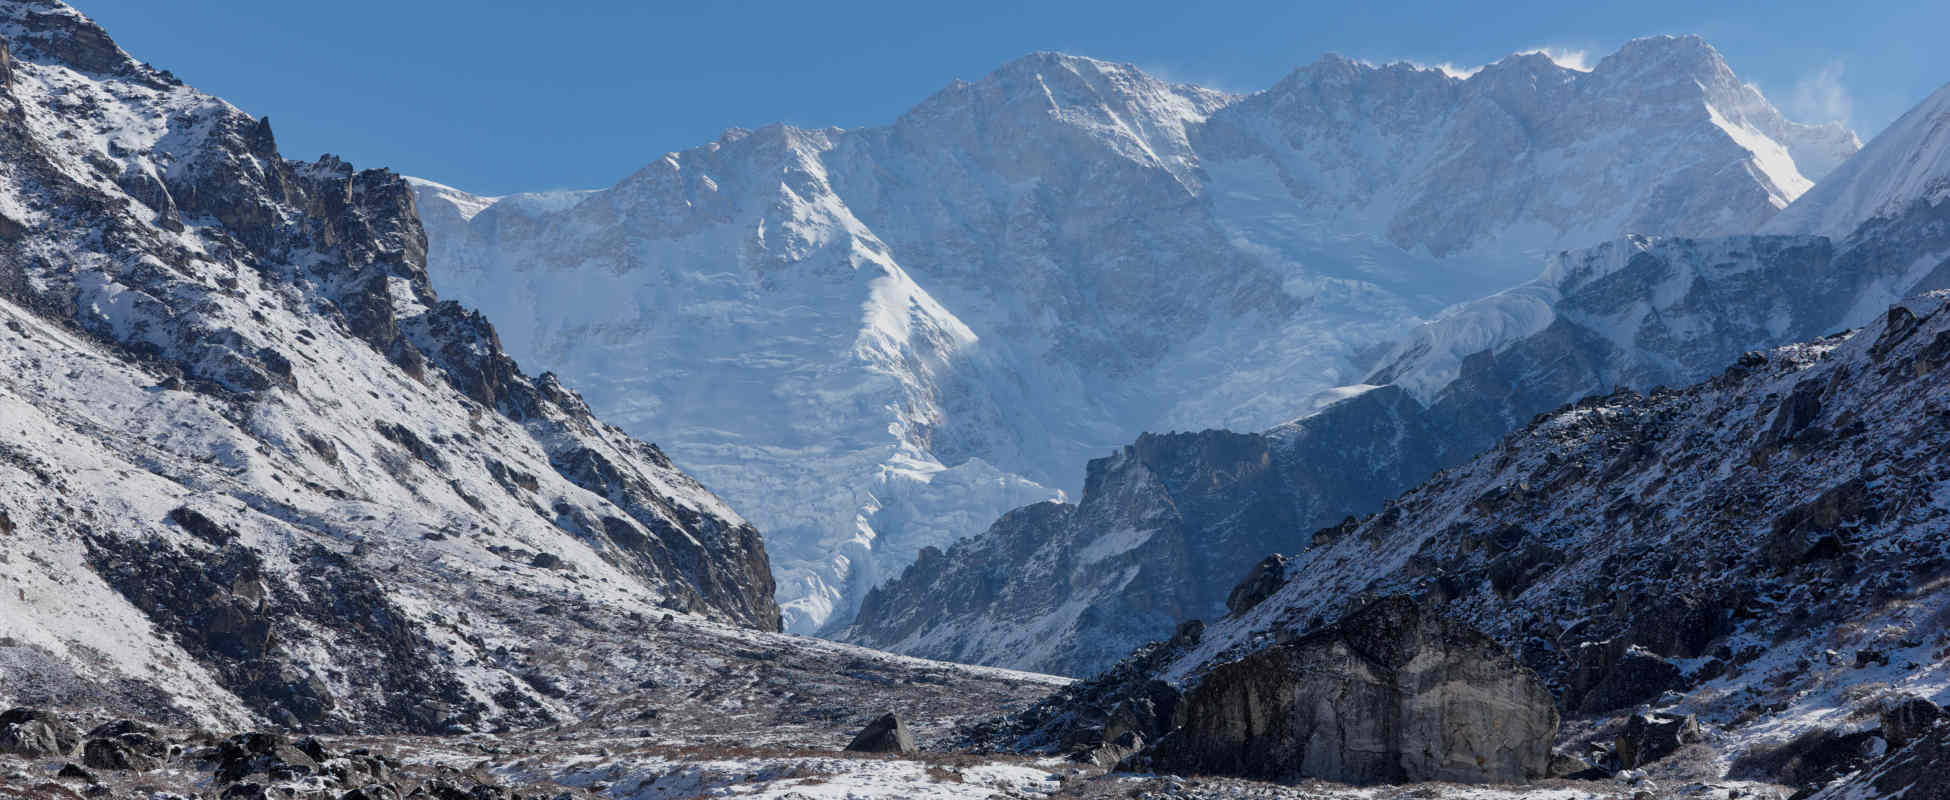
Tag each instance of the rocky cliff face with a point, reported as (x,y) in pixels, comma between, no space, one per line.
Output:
(252,466)
(876,341)
(1389,694)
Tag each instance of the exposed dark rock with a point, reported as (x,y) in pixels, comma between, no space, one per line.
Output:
(267,754)
(1810,760)
(244,791)
(37,733)
(1915,771)
(1610,675)
(372,791)
(74,772)
(1260,583)
(1650,737)
(1815,531)
(200,526)
(1327,466)
(1905,720)
(884,735)
(118,754)
(1390,693)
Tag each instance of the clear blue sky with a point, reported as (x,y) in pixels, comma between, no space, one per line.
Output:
(496,96)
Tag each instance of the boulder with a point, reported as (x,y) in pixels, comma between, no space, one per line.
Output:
(1814,759)
(1392,693)
(145,742)
(116,754)
(35,733)
(1147,713)
(1576,768)
(888,734)
(375,791)
(244,791)
(1650,737)
(74,772)
(268,754)
(1261,583)
(1914,772)
(1904,721)
(1612,675)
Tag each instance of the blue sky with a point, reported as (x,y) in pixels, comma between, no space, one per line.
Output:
(497,96)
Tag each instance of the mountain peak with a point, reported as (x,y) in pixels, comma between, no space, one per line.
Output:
(53,32)
(1909,163)
(1664,59)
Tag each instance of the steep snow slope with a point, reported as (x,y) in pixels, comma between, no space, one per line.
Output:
(724,298)
(252,467)
(875,341)
(1908,164)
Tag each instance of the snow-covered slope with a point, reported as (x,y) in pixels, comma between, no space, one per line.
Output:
(252,467)
(876,341)
(1907,164)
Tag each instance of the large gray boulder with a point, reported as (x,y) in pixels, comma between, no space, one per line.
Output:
(33,732)
(1389,694)
(884,735)
(1650,737)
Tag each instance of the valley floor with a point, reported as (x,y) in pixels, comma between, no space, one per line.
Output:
(574,762)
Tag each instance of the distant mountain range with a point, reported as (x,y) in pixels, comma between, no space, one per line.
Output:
(877,341)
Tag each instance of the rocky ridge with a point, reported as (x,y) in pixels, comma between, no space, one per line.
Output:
(1758,555)
(252,468)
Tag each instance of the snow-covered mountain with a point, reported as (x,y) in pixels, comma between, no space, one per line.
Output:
(876,341)
(252,468)
(1160,524)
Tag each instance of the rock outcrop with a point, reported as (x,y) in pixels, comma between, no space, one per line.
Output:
(1390,694)
(1650,737)
(37,733)
(886,734)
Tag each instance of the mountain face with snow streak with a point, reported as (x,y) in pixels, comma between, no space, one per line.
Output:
(1067,589)
(252,468)
(876,341)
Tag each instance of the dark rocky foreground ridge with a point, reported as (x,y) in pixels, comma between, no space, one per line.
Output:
(1753,568)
